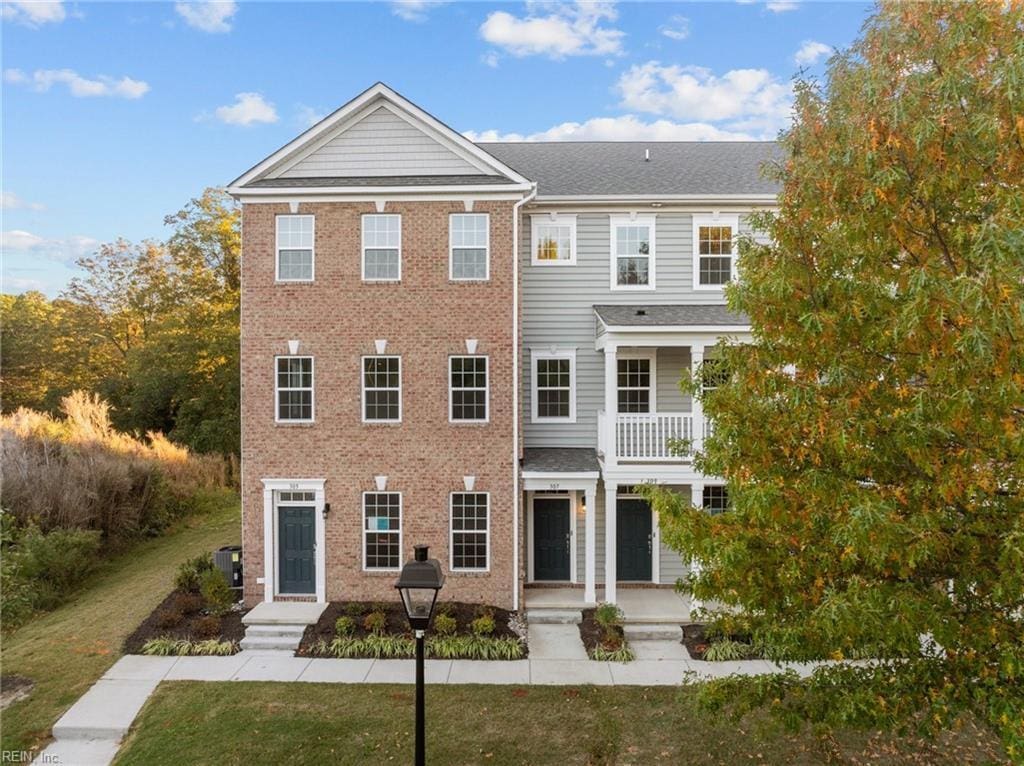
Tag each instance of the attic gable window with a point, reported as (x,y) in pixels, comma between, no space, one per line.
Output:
(294,248)
(553,240)
(382,248)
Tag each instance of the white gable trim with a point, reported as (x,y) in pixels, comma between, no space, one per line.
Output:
(369,100)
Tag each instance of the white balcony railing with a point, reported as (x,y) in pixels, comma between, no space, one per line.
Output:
(648,436)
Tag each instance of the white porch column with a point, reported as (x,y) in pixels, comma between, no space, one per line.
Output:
(696,406)
(610,569)
(590,550)
(697,499)
(611,404)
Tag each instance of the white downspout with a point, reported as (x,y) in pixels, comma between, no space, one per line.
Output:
(515,394)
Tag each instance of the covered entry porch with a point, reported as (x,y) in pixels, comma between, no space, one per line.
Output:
(639,605)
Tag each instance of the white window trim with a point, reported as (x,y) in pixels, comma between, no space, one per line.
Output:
(270,534)
(564,353)
(312,390)
(362,387)
(362,235)
(451,533)
(487,390)
(487,250)
(625,220)
(277,248)
(652,356)
(732,220)
(362,542)
(561,220)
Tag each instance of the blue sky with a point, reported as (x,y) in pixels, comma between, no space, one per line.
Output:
(116,114)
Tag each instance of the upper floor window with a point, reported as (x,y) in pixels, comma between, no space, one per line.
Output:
(294,389)
(554,386)
(632,249)
(635,389)
(714,248)
(382,389)
(382,248)
(294,261)
(469,522)
(467,389)
(553,240)
(469,240)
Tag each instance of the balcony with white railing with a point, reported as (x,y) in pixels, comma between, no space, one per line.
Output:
(648,436)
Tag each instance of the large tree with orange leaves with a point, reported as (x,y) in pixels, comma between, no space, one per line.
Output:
(872,435)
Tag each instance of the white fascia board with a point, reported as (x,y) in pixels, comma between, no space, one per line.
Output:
(286,193)
(636,330)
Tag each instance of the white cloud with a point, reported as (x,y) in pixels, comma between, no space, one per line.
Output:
(781,6)
(11,201)
(248,108)
(414,10)
(80,87)
(624,128)
(63,250)
(212,16)
(556,30)
(811,52)
(491,59)
(743,99)
(33,13)
(677,28)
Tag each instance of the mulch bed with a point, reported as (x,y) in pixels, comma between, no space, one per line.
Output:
(397,624)
(592,634)
(696,642)
(231,627)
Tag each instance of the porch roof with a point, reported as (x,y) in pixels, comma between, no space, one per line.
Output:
(695,315)
(574,460)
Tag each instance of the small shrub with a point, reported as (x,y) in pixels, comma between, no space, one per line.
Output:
(354,609)
(475,648)
(482,626)
(165,646)
(376,646)
(726,649)
(375,622)
(216,592)
(169,618)
(344,626)
(207,626)
(213,648)
(190,573)
(188,603)
(608,615)
(445,625)
(622,654)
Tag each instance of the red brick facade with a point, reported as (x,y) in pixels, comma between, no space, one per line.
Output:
(425,318)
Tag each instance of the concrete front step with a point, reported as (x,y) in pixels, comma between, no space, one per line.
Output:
(275,630)
(652,632)
(539,616)
(284,613)
(277,643)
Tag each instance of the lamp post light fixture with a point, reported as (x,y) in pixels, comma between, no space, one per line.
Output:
(418,584)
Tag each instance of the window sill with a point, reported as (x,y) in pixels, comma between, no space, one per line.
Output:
(382,423)
(295,423)
(288,282)
(469,572)
(552,263)
(469,422)
(381,281)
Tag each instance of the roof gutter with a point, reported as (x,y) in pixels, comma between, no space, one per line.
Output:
(654,199)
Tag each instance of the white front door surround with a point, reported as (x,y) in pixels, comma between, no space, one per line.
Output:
(270,533)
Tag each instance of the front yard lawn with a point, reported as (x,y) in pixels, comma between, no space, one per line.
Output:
(302,723)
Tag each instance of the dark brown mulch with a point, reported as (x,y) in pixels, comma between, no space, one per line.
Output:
(397,624)
(231,627)
(696,641)
(592,634)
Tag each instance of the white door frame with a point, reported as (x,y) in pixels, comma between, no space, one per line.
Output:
(270,533)
(572,497)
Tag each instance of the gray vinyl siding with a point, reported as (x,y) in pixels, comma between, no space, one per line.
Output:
(672,365)
(558,312)
(381,144)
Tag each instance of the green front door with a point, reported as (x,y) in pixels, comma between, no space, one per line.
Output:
(296,544)
(634,540)
(551,538)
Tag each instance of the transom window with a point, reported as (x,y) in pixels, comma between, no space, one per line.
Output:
(553,241)
(294,260)
(296,497)
(634,385)
(716,498)
(715,248)
(467,381)
(554,394)
(469,235)
(382,248)
(382,530)
(382,389)
(632,252)
(470,516)
(294,389)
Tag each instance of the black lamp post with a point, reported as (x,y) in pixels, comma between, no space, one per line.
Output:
(418,584)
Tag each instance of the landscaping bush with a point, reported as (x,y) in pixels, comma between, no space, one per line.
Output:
(483,625)
(190,573)
(207,626)
(168,647)
(622,654)
(726,649)
(216,592)
(375,622)
(445,625)
(345,626)
(169,618)
(375,645)
(354,609)
(475,647)
(188,603)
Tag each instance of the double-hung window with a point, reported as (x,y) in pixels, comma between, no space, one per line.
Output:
(632,249)
(636,391)
(294,260)
(467,389)
(553,240)
(714,248)
(382,248)
(293,389)
(382,530)
(716,498)
(469,242)
(554,386)
(470,515)
(382,389)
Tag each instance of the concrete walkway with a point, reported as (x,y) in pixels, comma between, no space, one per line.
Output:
(90,732)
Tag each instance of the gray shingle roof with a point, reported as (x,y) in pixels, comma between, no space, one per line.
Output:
(618,167)
(669,316)
(560,460)
(285,183)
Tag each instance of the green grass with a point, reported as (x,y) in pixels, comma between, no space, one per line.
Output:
(67,650)
(270,723)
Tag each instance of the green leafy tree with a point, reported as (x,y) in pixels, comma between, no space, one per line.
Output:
(872,435)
